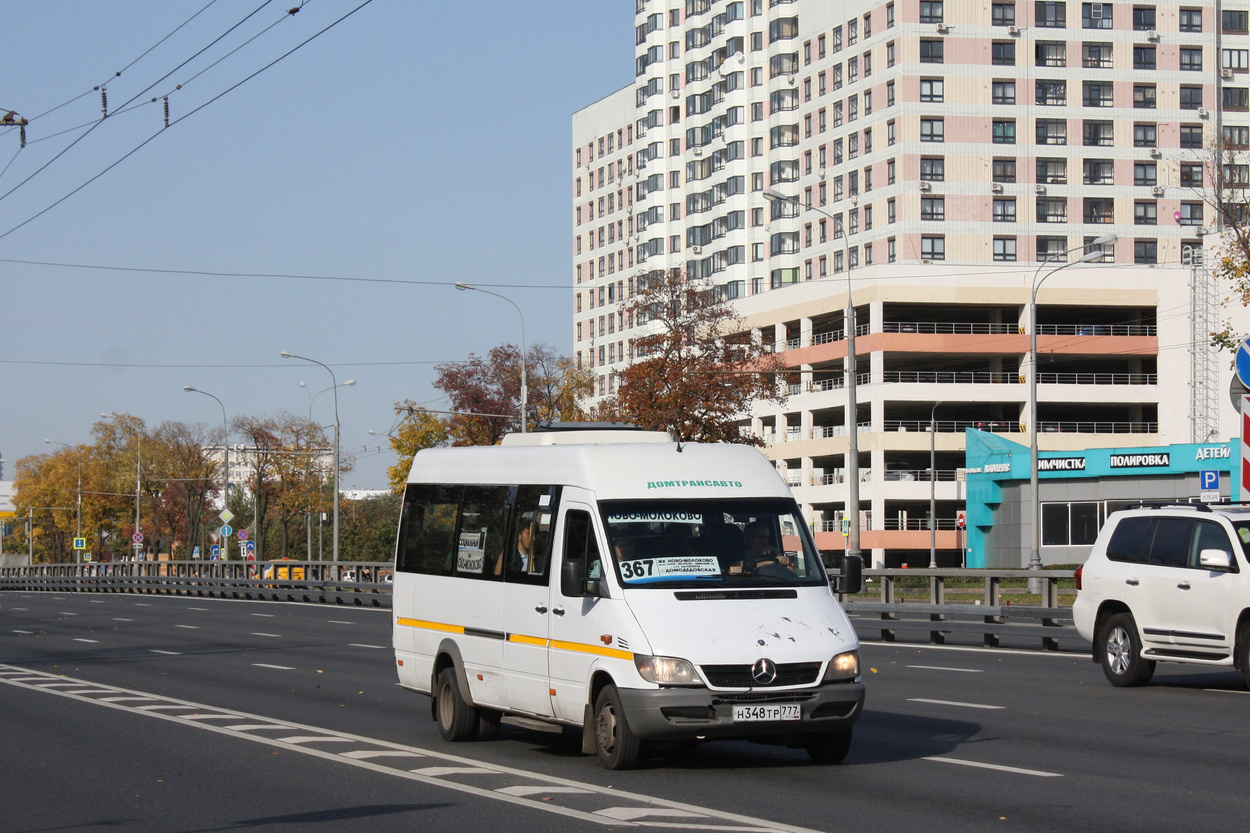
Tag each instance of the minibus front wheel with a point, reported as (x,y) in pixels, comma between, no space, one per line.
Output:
(457,720)
(615,743)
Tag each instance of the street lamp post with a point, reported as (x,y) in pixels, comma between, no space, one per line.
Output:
(852,405)
(312,397)
(461,285)
(78,503)
(334,385)
(1035,552)
(225,445)
(933,486)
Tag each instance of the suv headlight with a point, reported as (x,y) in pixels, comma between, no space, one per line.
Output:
(844,666)
(666,670)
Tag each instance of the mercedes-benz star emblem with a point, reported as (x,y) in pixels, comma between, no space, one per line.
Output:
(764,671)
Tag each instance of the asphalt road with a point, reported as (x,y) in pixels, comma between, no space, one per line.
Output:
(160,713)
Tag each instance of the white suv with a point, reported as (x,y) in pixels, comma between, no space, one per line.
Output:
(1167,583)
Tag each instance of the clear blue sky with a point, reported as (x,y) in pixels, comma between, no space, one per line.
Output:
(413,141)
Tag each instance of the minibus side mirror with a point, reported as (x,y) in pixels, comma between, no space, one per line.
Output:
(851,581)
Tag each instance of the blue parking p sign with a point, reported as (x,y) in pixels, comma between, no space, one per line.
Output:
(1209,480)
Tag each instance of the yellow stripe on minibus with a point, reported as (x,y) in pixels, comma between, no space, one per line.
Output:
(582,648)
(527,640)
(429,626)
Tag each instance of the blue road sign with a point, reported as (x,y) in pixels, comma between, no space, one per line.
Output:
(226,530)
(250,546)
(1242,363)
(215,550)
(1209,480)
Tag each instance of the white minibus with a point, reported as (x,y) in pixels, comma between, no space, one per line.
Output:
(624,584)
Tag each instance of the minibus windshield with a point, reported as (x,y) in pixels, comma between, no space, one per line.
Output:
(741,542)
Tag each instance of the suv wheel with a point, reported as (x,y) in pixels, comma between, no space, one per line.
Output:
(1119,649)
(1243,651)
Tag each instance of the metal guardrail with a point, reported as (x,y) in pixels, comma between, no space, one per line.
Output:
(284,581)
(990,616)
(890,618)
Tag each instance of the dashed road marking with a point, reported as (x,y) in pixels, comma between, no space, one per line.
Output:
(947,668)
(953,703)
(999,767)
(274,667)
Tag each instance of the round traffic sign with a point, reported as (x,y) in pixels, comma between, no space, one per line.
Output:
(215,550)
(226,530)
(137,537)
(1242,362)
(243,534)
(250,546)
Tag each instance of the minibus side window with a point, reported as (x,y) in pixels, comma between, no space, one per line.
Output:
(580,543)
(529,543)
(482,540)
(428,540)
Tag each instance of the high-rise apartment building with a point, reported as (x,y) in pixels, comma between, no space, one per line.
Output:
(939,164)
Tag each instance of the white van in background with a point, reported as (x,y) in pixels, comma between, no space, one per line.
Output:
(619,582)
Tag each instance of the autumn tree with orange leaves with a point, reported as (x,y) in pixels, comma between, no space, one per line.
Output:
(697,370)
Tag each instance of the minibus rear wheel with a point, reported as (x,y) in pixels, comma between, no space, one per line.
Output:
(457,720)
(615,743)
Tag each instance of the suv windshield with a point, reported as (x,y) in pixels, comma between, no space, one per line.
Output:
(730,543)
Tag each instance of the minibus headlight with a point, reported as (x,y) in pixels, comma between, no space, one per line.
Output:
(666,670)
(844,666)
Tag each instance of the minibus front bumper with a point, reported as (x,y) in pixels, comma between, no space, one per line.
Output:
(697,713)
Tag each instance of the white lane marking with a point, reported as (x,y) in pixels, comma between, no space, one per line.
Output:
(66,613)
(124,699)
(266,615)
(271,635)
(713,819)
(167,653)
(524,790)
(953,703)
(21,608)
(25,632)
(1083,655)
(361,645)
(197,608)
(1225,691)
(274,667)
(96,601)
(91,641)
(210,717)
(339,622)
(999,767)
(369,754)
(142,604)
(162,707)
(188,627)
(248,727)
(119,619)
(947,668)
(315,739)
(439,771)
